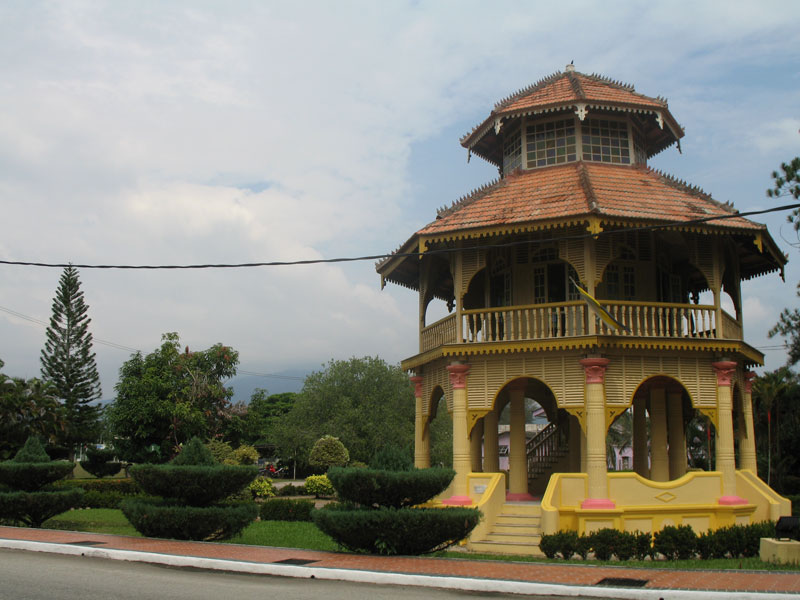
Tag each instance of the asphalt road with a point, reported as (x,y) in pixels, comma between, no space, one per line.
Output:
(40,576)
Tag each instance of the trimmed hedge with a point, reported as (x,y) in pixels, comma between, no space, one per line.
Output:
(375,487)
(672,542)
(194,485)
(396,531)
(285,509)
(292,490)
(319,485)
(34,508)
(166,520)
(30,477)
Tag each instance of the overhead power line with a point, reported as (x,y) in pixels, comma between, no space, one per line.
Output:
(317,261)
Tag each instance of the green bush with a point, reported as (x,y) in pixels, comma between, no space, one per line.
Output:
(374,487)
(27,495)
(625,545)
(284,509)
(191,491)
(34,508)
(126,487)
(244,455)
(568,543)
(643,545)
(328,452)
(392,458)
(166,520)
(676,542)
(549,544)
(319,485)
(292,490)
(261,487)
(193,485)
(604,543)
(396,531)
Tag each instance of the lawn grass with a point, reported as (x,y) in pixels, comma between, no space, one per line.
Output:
(305,535)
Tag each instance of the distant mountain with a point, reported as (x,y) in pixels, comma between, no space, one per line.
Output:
(290,380)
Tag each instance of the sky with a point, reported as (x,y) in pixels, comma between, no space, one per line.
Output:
(155,132)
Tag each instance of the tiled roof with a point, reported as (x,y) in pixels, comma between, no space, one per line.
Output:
(582,189)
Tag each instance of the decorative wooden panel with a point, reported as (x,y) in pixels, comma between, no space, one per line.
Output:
(473,260)
(436,374)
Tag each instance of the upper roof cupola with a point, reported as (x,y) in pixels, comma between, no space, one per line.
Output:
(569,117)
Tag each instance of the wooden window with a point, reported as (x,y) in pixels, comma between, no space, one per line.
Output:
(551,143)
(605,140)
(512,151)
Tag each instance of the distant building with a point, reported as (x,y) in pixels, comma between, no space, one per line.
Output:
(576,209)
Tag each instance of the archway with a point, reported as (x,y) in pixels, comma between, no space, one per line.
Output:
(440,431)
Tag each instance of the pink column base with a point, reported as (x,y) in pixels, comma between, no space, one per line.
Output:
(524,497)
(731,500)
(599,503)
(458,501)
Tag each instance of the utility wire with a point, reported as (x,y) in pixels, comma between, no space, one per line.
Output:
(397,254)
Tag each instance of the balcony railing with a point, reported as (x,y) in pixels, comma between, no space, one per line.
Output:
(571,319)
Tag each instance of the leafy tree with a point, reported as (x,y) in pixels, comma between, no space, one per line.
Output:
(264,414)
(328,452)
(28,407)
(167,397)
(69,363)
(441,437)
(364,402)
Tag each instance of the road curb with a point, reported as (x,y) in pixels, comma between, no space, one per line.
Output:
(383,578)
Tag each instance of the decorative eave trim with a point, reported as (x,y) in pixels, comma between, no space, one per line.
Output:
(751,356)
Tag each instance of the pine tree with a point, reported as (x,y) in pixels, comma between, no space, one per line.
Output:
(69,363)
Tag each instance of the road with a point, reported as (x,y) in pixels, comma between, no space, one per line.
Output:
(40,576)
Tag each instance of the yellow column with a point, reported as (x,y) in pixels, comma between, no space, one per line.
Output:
(575,437)
(491,453)
(517,450)
(461,458)
(641,456)
(747,445)
(596,467)
(659,459)
(476,447)
(422,454)
(676,434)
(726,462)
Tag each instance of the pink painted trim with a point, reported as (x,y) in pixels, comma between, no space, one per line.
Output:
(724,370)
(458,375)
(458,501)
(598,503)
(731,500)
(417,381)
(595,369)
(524,497)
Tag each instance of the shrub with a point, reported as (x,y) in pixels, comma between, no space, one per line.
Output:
(583,546)
(604,543)
(221,451)
(245,455)
(396,531)
(292,490)
(191,485)
(643,545)
(625,545)
(373,487)
(328,452)
(675,542)
(100,463)
(166,520)
(549,544)
(27,495)
(261,487)
(392,458)
(284,509)
(319,485)
(567,543)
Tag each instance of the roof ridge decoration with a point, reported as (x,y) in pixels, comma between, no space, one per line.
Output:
(586,184)
(694,190)
(527,90)
(576,85)
(624,86)
(468,199)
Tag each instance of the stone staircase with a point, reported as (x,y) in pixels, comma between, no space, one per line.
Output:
(516,530)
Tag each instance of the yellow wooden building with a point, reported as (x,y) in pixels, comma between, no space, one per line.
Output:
(576,206)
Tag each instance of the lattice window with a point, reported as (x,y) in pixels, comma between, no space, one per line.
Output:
(639,147)
(512,152)
(604,140)
(551,143)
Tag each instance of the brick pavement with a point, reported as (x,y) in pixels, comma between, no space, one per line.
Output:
(588,575)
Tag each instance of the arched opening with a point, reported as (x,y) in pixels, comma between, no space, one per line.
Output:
(660,439)
(439,298)
(440,431)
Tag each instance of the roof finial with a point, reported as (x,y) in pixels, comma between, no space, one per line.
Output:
(570,67)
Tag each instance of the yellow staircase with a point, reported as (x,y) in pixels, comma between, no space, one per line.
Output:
(516,530)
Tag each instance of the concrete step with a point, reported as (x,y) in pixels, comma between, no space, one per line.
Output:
(524,528)
(490,547)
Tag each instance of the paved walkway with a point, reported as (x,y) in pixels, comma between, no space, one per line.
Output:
(497,576)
